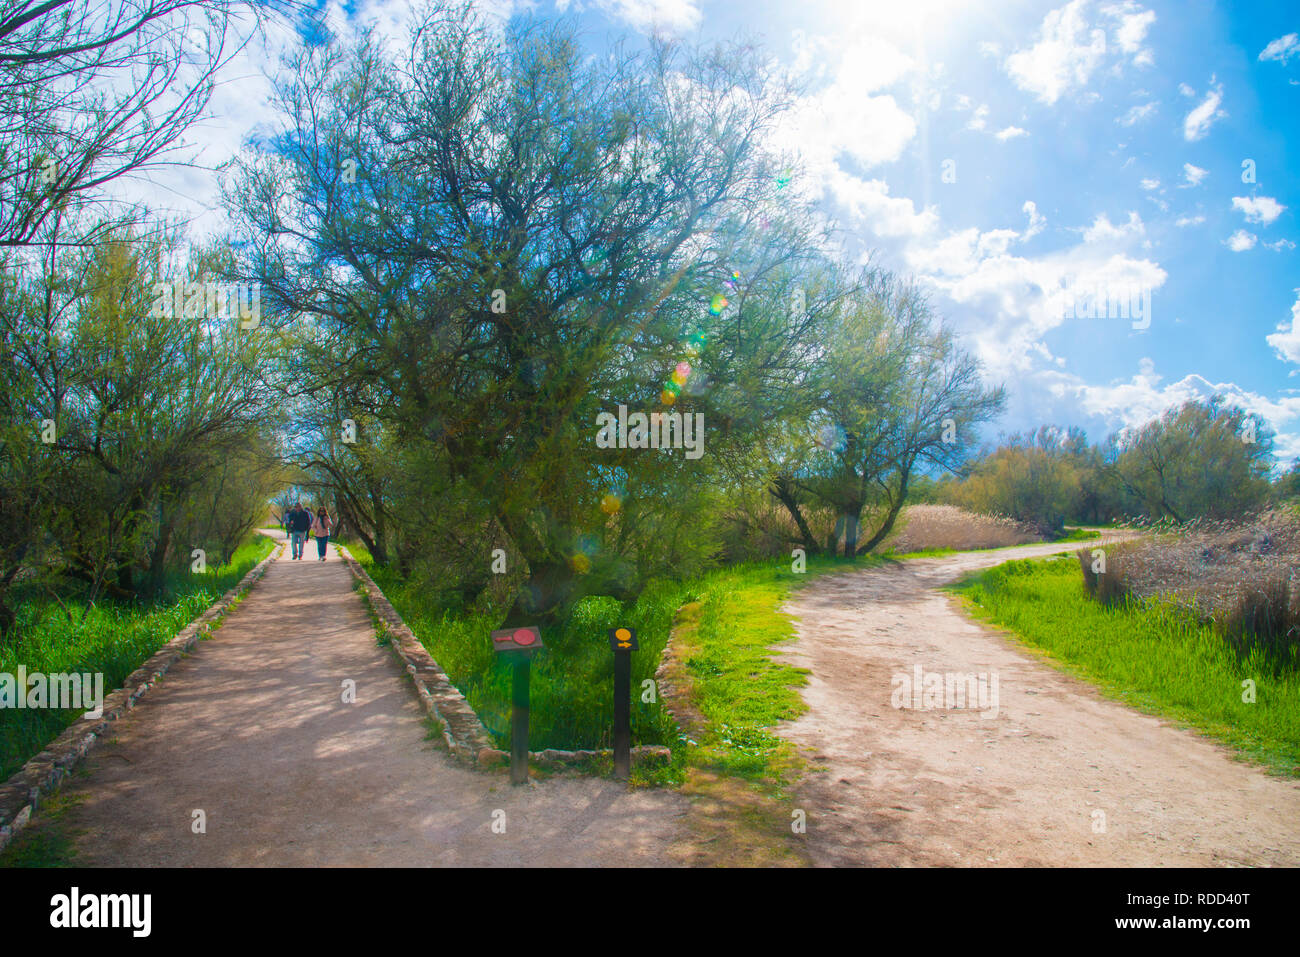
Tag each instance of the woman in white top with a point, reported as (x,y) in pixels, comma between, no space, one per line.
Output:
(321,526)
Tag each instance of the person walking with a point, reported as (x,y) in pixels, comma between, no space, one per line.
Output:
(321,526)
(300,521)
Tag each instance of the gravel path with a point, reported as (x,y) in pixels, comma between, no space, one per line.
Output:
(905,787)
(252,730)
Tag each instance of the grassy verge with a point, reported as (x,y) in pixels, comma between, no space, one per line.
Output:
(1154,656)
(740,691)
(727,623)
(572,680)
(114,639)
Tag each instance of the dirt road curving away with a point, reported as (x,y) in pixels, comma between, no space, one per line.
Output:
(906,787)
(252,730)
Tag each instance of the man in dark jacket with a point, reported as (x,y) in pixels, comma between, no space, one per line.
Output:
(299,526)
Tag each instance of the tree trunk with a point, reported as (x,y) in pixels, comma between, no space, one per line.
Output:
(158,559)
(894,509)
(850,520)
(781,491)
(833,539)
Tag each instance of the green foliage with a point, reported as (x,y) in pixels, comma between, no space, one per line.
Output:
(535,237)
(108,637)
(1200,460)
(1203,459)
(159,427)
(1030,483)
(739,689)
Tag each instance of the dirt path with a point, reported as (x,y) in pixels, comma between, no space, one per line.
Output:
(252,730)
(950,787)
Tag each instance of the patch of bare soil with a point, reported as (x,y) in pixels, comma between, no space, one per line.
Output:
(1061,776)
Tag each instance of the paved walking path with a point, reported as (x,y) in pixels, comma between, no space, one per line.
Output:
(1061,775)
(252,730)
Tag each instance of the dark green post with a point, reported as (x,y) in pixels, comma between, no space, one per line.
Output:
(622,714)
(623,642)
(518,644)
(519,721)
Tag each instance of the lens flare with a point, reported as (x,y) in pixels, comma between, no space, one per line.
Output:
(719,303)
(832,438)
(611,503)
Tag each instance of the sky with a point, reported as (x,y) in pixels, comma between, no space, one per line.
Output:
(1021,160)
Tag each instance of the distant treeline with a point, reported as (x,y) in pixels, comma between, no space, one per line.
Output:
(1204,459)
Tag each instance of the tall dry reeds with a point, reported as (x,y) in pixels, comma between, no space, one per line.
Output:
(925,527)
(1243,575)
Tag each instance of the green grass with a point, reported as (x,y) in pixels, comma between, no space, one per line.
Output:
(1154,656)
(114,639)
(48,841)
(571,682)
(739,689)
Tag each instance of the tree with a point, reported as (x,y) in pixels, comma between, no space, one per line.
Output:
(1201,459)
(93,90)
(492,242)
(1287,486)
(895,391)
(122,422)
(1035,478)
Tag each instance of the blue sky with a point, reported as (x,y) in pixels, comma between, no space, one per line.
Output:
(1094,141)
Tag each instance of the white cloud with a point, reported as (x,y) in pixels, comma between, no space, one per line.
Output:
(1070,46)
(1198,121)
(1132,404)
(1137,114)
(1036,220)
(1282,245)
(870,203)
(1240,241)
(1186,90)
(1012,300)
(1011,132)
(1132,30)
(1065,55)
(649,15)
(1287,338)
(1194,174)
(1258,209)
(1281,49)
(842,117)
(1103,231)
(1150,184)
(979,118)
(1189,221)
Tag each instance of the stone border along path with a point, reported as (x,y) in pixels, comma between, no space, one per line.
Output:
(42,774)
(252,730)
(462,729)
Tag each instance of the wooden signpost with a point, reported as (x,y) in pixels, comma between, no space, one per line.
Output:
(519,643)
(622,641)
